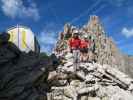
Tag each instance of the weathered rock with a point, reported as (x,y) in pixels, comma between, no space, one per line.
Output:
(114,93)
(83,98)
(95,98)
(21,77)
(91,80)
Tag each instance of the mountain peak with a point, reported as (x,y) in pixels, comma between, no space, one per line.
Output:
(101,76)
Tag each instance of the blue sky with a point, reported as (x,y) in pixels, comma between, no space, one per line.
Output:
(47,17)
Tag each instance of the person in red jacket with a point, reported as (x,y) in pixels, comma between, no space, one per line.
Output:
(84,46)
(74,46)
(74,42)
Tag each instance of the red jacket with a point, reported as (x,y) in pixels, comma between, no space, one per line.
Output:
(84,44)
(74,43)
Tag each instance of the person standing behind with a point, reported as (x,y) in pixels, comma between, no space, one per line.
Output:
(93,50)
(74,46)
(84,49)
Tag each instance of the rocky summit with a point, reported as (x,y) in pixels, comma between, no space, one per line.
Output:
(106,51)
(103,77)
(107,75)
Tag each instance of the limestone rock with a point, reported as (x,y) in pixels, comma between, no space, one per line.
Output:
(103,77)
(97,81)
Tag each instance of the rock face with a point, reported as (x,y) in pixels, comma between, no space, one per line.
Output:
(104,79)
(22,76)
(128,65)
(106,52)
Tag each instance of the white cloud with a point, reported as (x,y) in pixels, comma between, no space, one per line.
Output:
(16,9)
(48,37)
(47,40)
(127,32)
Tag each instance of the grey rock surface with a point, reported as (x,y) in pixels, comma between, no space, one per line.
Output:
(106,50)
(91,82)
(21,77)
(106,76)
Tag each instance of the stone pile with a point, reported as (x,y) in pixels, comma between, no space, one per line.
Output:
(90,82)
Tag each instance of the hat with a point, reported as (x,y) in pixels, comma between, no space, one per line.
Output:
(85,36)
(75,31)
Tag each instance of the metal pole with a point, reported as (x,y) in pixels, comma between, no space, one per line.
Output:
(18,34)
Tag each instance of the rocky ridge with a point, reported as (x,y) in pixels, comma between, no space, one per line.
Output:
(106,51)
(104,79)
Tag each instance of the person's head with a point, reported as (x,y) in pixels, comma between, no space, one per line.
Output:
(86,37)
(75,34)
